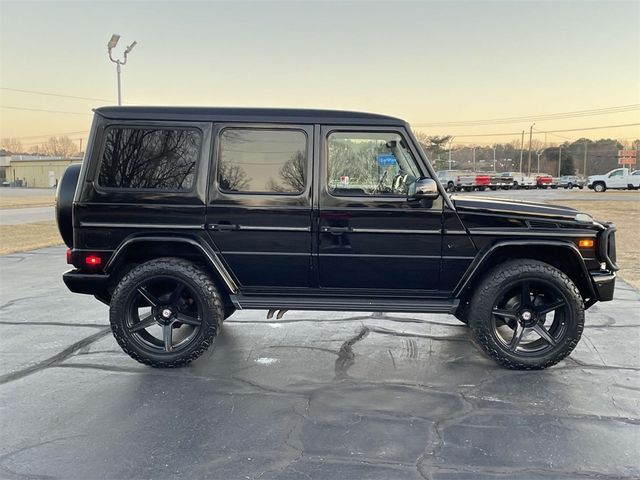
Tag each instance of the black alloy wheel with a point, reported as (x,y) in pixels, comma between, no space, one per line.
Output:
(529,316)
(160,306)
(526,314)
(166,312)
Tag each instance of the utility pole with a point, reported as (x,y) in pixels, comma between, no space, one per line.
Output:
(494,157)
(559,158)
(530,138)
(450,142)
(474,159)
(521,150)
(80,146)
(584,167)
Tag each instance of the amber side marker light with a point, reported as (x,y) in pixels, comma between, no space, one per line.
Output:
(585,243)
(93,260)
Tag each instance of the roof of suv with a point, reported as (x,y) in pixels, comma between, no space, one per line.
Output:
(231,114)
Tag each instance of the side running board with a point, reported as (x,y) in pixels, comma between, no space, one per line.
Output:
(349,304)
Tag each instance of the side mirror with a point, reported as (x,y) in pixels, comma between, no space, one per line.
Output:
(423,188)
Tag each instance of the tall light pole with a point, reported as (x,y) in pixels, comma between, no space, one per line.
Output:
(450,142)
(530,138)
(494,157)
(559,158)
(521,150)
(539,154)
(474,159)
(110,46)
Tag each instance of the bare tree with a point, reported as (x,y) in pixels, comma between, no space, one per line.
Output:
(11,145)
(59,147)
(232,178)
(292,178)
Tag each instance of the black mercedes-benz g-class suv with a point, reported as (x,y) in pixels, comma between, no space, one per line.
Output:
(179,216)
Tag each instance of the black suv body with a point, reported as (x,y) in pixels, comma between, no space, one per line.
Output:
(179,216)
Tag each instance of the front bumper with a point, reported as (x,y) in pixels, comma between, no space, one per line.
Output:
(604,284)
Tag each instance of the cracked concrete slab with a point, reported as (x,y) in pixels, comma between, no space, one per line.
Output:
(313,395)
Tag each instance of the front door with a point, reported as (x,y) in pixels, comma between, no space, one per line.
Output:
(369,235)
(259,210)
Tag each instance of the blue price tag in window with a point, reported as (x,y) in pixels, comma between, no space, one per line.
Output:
(386,160)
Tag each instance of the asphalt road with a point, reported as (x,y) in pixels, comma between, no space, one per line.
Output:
(20,216)
(314,395)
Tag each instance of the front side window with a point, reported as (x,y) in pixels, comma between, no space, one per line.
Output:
(369,164)
(262,161)
(617,173)
(150,158)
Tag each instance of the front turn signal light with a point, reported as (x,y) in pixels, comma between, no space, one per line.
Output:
(586,243)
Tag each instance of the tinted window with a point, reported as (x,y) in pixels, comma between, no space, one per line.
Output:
(262,161)
(369,164)
(150,158)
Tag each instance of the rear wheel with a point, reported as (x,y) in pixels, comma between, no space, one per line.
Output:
(166,312)
(527,315)
(451,187)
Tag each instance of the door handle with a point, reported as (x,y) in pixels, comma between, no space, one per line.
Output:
(336,230)
(224,227)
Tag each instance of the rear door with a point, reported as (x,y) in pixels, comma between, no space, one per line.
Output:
(370,237)
(259,209)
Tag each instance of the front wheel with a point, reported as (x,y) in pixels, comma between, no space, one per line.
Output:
(599,187)
(166,312)
(527,315)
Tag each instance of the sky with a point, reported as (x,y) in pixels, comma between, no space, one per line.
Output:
(428,62)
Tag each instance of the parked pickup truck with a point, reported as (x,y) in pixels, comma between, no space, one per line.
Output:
(520,180)
(449,178)
(620,178)
(500,181)
(473,181)
(544,180)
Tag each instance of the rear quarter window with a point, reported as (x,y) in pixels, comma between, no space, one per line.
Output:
(150,158)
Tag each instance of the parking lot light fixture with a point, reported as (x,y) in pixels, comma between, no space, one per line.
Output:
(110,46)
(113,42)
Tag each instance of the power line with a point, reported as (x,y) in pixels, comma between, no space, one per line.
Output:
(51,135)
(551,116)
(551,131)
(50,94)
(42,110)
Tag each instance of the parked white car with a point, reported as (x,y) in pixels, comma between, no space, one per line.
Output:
(620,178)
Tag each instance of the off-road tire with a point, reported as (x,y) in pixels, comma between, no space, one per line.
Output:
(485,296)
(201,285)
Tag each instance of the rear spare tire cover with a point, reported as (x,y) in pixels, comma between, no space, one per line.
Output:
(64,202)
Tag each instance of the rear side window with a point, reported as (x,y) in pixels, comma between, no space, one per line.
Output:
(150,158)
(262,161)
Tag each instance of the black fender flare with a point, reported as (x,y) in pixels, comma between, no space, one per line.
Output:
(207,252)
(485,255)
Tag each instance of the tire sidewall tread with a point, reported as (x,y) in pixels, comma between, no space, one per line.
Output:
(486,295)
(198,280)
